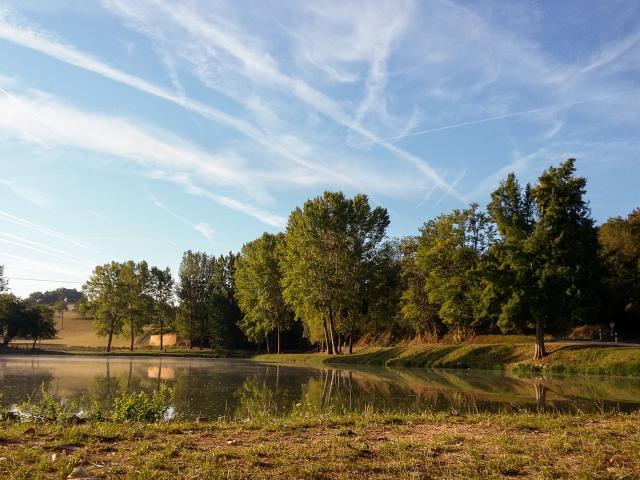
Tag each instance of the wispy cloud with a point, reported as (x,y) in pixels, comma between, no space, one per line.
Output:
(27,193)
(245,55)
(46,121)
(203,228)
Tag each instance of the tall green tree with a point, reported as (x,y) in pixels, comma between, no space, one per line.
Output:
(449,251)
(136,288)
(224,312)
(371,260)
(318,265)
(161,290)
(107,300)
(194,291)
(258,289)
(547,259)
(418,314)
(620,241)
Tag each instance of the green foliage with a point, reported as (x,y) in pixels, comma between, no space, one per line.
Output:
(620,240)
(258,288)
(67,295)
(545,268)
(142,406)
(448,252)
(20,318)
(45,409)
(208,310)
(106,300)
(332,245)
(161,291)
(4,283)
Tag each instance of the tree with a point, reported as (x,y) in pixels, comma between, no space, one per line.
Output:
(331,255)
(194,291)
(4,283)
(417,313)
(106,300)
(449,250)
(318,268)
(620,241)
(22,318)
(223,311)
(258,289)
(161,291)
(69,295)
(366,230)
(60,307)
(547,258)
(37,323)
(136,285)
(10,307)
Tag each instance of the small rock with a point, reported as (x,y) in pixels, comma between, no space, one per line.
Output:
(54,457)
(76,420)
(231,442)
(201,419)
(30,430)
(347,433)
(3,459)
(79,473)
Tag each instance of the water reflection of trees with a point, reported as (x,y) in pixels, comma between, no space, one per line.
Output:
(242,389)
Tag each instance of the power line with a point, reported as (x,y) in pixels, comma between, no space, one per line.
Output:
(42,280)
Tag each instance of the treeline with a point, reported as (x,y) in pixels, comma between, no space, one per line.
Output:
(23,318)
(533,261)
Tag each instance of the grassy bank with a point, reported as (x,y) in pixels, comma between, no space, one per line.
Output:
(563,357)
(524,445)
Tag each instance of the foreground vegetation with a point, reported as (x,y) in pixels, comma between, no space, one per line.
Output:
(523,445)
(561,357)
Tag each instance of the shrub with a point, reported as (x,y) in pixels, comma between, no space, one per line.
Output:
(142,406)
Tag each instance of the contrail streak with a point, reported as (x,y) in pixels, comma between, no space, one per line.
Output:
(47,231)
(498,117)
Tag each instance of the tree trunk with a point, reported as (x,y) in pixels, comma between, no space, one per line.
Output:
(351,342)
(110,339)
(540,352)
(266,340)
(279,334)
(132,335)
(332,332)
(62,320)
(35,340)
(161,329)
(326,336)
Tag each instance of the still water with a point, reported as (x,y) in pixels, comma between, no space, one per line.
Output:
(240,388)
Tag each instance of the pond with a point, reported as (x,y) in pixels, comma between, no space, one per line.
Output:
(240,388)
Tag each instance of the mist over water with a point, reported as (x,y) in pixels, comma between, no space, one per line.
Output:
(242,388)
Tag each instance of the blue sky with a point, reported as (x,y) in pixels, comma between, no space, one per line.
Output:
(139,129)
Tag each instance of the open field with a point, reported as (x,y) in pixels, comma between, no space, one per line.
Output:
(570,357)
(525,445)
(78,332)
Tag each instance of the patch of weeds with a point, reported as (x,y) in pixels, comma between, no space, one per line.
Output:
(143,407)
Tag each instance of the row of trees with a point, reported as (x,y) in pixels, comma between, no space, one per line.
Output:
(532,262)
(23,318)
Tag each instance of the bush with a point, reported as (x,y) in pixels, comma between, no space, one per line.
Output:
(143,407)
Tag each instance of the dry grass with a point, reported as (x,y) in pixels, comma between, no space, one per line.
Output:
(324,447)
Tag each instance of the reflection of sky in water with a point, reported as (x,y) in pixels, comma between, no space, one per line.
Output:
(213,387)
